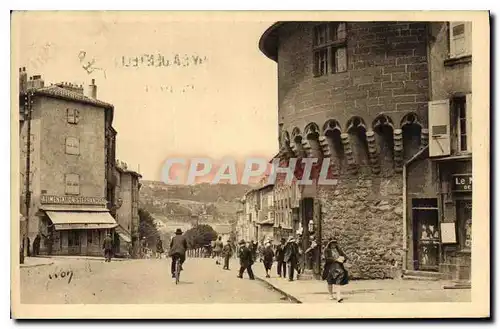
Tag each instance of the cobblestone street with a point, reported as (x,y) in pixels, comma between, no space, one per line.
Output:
(139,281)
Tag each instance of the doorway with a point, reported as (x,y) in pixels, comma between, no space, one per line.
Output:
(426,241)
(74,243)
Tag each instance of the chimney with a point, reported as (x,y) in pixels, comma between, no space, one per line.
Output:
(72,87)
(92,92)
(23,80)
(35,82)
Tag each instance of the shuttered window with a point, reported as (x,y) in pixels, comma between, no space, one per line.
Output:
(468,114)
(72,115)
(460,38)
(439,122)
(72,184)
(72,145)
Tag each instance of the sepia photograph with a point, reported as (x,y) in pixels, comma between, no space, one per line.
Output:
(250,164)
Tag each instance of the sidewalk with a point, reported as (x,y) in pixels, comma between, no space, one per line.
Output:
(364,291)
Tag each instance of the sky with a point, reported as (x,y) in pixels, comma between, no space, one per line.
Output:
(221,101)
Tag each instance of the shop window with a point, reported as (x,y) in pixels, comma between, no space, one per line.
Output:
(460,39)
(464,223)
(72,184)
(72,145)
(73,115)
(329,48)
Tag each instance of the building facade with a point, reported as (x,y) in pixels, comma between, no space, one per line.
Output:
(127,214)
(361,94)
(63,166)
(439,216)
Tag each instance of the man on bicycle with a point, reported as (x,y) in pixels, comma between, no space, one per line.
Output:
(178,247)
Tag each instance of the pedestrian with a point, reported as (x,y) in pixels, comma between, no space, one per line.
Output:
(48,242)
(218,250)
(246,261)
(36,245)
(143,247)
(334,271)
(280,255)
(159,248)
(267,258)
(227,252)
(253,250)
(107,245)
(291,257)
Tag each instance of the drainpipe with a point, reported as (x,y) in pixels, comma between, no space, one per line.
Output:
(405,213)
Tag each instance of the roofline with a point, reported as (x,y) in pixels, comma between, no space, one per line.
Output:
(89,101)
(268,41)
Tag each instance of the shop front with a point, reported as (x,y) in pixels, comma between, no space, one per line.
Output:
(456,225)
(74,225)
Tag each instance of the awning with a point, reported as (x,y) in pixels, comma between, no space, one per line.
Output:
(64,220)
(124,235)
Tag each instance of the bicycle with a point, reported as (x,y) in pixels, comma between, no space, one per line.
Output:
(177,270)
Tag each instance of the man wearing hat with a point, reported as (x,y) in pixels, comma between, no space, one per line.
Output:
(280,256)
(291,257)
(178,247)
(227,252)
(107,245)
(246,260)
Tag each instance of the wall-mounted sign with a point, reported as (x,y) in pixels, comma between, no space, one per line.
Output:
(69,199)
(448,233)
(461,183)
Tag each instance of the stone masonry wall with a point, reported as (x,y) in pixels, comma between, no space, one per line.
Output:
(365,215)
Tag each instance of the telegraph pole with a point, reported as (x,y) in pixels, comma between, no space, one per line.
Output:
(28,105)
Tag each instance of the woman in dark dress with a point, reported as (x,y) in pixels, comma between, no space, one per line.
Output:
(334,272)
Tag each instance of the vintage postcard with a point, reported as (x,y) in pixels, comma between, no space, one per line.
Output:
(250,164)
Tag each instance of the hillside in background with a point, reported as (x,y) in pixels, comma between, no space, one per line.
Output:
(173,205)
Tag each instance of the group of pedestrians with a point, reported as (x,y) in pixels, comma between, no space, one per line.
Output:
(287,256)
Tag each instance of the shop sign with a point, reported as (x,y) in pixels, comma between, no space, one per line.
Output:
(70,199)
(462,183)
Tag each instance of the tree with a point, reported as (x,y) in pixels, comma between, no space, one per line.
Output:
(147,227)
(200,236)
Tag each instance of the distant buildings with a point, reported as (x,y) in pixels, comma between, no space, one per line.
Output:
(67,167)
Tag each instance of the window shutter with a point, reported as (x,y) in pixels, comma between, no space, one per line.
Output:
(468,113)
(457,39)
(77,116)
(72,146)
(72,184)
(468,38)
(439,121)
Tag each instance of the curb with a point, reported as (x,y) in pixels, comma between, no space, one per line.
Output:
(284,293)
(35,265)
(84,258)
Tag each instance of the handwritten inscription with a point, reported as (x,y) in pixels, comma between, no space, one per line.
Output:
(169,89)
(89,65)
(68,199)
(159,60)
(62,275)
